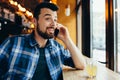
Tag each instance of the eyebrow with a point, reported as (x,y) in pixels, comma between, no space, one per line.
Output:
(49,15)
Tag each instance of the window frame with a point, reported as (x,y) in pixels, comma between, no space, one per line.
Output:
(85,28)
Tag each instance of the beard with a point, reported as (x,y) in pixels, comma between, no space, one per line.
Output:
(45,35)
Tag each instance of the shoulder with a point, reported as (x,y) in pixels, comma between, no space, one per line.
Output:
(15,38)
(55,44)
(19,37)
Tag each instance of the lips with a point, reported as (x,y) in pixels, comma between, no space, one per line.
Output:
(50,30)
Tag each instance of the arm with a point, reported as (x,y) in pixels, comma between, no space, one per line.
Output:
(76,55)
(4,57)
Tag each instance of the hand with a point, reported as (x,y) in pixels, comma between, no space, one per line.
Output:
(63,32)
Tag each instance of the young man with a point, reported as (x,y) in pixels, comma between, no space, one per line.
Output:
(38,56)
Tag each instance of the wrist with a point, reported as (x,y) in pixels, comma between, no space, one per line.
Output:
(67,42)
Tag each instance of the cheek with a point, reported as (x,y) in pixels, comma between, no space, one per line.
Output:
(42,27)
(55,25)
(42,23)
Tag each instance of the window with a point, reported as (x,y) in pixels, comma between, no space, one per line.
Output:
(98,34)
(79,19)
(100,25)
(117,32)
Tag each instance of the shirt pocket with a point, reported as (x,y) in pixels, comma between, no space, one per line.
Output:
(23,63)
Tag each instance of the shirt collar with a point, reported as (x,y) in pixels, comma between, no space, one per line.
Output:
(33,42)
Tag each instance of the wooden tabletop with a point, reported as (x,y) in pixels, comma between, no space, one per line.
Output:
(103,73)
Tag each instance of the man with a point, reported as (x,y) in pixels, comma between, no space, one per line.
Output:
(38,56)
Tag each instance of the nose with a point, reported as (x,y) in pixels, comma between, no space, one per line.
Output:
(53,23)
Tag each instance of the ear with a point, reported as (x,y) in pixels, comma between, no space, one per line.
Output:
(34,21)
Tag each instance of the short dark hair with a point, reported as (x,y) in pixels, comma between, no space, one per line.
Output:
(44,5)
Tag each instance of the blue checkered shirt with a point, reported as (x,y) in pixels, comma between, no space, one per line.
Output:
(19,57)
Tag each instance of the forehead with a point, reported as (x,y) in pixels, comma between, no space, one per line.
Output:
(48,11)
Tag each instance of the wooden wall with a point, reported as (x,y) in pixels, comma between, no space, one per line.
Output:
(68,21)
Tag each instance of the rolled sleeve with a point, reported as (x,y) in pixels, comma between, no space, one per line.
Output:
(66,58)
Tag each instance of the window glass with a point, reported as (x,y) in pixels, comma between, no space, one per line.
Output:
(118,34)
(98,30)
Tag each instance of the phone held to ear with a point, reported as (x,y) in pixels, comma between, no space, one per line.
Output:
(56,32)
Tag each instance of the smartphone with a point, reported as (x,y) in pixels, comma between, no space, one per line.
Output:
(56,32)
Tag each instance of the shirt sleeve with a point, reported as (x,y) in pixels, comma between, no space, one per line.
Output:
(4,54)
(66,58)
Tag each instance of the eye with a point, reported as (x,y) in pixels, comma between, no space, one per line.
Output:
(47,18)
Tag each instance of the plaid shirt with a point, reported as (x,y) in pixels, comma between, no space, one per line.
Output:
(19,57)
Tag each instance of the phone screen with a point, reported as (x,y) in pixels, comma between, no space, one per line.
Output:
(56,32)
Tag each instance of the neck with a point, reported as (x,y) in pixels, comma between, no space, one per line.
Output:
(40,40)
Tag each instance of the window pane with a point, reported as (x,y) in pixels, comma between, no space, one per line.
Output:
(98,30)
(118,35)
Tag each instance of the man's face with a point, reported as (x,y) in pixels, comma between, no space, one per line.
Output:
(46,23)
